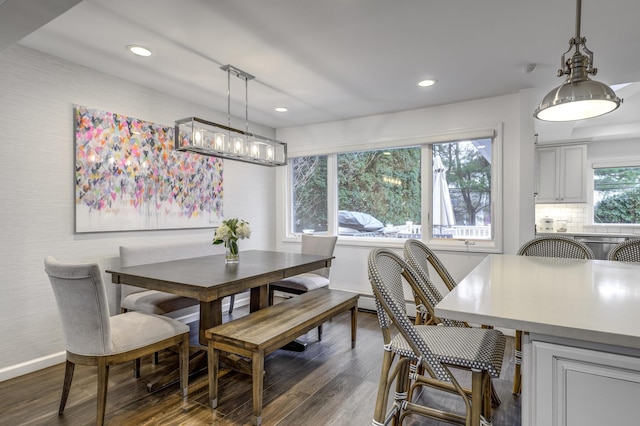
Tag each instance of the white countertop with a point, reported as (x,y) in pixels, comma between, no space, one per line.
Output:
(590,300)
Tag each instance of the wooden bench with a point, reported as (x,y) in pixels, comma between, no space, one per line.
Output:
(266,330)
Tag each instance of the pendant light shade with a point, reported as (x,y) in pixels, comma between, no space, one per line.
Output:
(578,97)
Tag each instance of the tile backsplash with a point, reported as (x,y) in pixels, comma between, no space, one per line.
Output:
(577,219)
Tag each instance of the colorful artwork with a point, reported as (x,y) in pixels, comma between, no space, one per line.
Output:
(128,177)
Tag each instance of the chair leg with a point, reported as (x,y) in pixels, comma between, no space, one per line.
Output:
(68,377)
(136,368)
(184,367)
(477,400)
(103,380)
(232,301)
(517,384)
(156,358)
(320,332)
(383,389)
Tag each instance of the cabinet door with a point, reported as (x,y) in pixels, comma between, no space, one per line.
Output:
(572,169)
(572,386)
(548,184)
(562,174)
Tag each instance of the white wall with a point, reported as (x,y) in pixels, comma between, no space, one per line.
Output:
(513,112)
(37,96)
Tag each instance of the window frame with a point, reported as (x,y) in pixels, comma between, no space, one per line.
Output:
(426,144)
(613,163)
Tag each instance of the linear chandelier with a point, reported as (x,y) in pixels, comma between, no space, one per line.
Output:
(578,97)
(217,140)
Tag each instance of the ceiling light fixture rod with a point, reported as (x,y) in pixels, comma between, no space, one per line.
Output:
(242,75)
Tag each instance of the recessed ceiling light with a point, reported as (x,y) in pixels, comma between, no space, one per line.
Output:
(281,109)
(139,50)
(426,83)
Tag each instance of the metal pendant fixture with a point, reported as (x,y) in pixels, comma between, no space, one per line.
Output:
(217,140)
(578,97)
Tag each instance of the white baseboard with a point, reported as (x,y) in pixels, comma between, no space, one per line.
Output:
(30,366)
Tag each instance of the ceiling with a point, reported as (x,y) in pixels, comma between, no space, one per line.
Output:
(340,59)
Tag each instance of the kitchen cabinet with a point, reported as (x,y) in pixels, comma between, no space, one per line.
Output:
(574,384)
(561,174)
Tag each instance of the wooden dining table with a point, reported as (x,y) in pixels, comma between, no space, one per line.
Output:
(208,279)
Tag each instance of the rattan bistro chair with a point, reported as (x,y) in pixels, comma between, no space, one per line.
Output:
(419,257)
(93,337)
(434,349)
(546,246)
(628,251)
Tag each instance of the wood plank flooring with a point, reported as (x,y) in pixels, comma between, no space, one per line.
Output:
(328,384)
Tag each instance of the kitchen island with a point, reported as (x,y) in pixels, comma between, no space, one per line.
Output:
(581,356)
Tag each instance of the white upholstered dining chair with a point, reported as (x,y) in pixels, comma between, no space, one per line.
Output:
(308,281)
(93,337)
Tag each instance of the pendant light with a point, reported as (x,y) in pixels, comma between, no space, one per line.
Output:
(204,137)
(578,97)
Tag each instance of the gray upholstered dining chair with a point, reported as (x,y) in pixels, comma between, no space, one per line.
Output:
(308,281)
(546,246)
(93,337)
(436,349)
(628,251)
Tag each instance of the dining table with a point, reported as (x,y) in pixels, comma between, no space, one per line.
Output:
(209,279)
(581,324)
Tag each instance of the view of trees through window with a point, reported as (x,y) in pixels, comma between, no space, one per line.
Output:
(616,196)
(379,192)
(309,193)
(465,166)
(377,189)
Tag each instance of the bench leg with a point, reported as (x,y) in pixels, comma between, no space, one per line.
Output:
(257,367)
(213,358)
(354,326)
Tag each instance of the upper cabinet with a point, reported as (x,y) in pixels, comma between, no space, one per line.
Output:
(561,174)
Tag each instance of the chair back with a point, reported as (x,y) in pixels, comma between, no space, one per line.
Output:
(556,246)
(628,251)
(419,256)
(320,245)
(386,272)
(83,307)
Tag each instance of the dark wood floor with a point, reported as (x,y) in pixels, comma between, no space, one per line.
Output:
(328,384)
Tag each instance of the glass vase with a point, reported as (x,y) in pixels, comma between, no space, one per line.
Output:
(231,256)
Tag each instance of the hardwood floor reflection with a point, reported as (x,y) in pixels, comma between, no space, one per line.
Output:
(328,384)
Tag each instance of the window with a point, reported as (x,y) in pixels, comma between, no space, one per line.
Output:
(379,191)
(443,192)
(616,194)
(461,190)
(309,194)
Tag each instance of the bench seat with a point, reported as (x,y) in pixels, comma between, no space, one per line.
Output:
(263,331)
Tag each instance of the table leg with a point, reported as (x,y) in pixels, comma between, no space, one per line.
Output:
(210,316)
(259,298)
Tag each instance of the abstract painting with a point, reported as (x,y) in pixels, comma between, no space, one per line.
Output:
(129,177)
